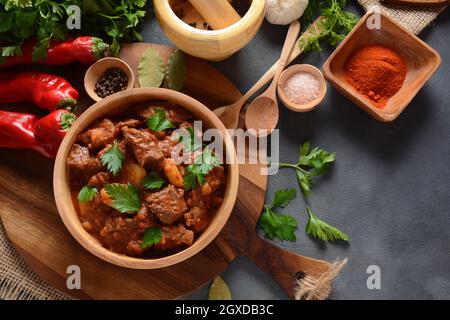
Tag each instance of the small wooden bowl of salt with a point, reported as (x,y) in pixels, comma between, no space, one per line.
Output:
(301,87)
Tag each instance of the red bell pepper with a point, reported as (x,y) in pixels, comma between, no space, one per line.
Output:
(54,126)
(44,90)
(27,131)
(82,49)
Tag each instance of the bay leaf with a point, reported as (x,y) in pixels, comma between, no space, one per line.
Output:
(219,290)
(176,70)
(151,69)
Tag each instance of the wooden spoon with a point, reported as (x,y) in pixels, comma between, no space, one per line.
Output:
(229,115)
(263,111)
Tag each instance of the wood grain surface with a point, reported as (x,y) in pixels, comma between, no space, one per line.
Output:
(30,218)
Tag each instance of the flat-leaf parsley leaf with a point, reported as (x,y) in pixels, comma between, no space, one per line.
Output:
(275,225)
(124,198)
(151,237)
(152,181)
(113,159)
(320,229)
(159,122)
(86,194)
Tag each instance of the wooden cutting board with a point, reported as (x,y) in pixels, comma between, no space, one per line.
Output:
(34,227)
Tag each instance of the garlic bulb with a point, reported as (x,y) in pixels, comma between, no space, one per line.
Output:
(285,11)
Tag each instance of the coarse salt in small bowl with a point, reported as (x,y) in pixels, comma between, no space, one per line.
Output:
(302,87)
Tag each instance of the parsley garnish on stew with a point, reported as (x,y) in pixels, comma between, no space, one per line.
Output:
(152,181)
(192,142)
(320,229)
(125,198)
(151,237)
(195,173)
(86,194)
(113,159)
(275,225)
(159,122)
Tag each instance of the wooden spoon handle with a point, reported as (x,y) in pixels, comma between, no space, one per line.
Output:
(291,39)
(282,265)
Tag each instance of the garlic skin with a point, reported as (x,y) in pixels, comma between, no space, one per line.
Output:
(283,12)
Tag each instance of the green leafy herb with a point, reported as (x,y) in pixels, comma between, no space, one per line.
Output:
(176,70)
(152,181)
(159,122)
(151,237)
(333,24)
(319,229)
(125,198)
(86,194)
(46,21)
(151,69)
(191,142)
(113,159)
(311,163)
(219,290)
(275,225)
(195,173)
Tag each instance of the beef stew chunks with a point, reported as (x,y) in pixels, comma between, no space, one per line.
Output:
(132,193)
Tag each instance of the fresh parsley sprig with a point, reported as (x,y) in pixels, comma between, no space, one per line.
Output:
(275,225)
(86,194)
(332,25)
(320,229)
(152,181)
(113,159)
(124,198)
(159,122)
(195,173)
(151,237)
(311,163)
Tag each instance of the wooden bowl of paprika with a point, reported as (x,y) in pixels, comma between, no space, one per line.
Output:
(381,68)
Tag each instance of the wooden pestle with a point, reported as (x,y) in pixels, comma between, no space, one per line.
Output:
(219,14)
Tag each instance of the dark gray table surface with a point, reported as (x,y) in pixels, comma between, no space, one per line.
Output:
(389,189)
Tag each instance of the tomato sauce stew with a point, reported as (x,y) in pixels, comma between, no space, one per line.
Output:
(130,192)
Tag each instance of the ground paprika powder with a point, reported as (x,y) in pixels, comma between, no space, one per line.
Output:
(377,72)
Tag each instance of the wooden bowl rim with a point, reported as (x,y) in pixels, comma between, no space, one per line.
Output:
(302,68)
(68,212)
(104,64)
(257,8)
(357,98)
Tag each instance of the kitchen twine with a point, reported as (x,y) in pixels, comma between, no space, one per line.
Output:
(18,281)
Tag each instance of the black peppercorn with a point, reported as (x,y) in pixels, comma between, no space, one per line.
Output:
(112,81)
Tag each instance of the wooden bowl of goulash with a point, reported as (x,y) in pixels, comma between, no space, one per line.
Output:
(135,184)
(191,32)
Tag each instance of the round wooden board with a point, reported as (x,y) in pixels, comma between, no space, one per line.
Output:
(34,227)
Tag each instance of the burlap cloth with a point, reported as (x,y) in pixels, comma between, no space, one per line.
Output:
(17,281)
(413,18)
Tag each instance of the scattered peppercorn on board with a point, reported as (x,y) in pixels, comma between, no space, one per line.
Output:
(33,225)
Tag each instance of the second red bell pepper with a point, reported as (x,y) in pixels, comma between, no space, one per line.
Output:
(54,126)
(27,131)
(44,90)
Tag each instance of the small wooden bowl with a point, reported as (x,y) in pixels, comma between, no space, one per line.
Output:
(97,70)
(213,45)
(115,105)
(421,59)
(290,72)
